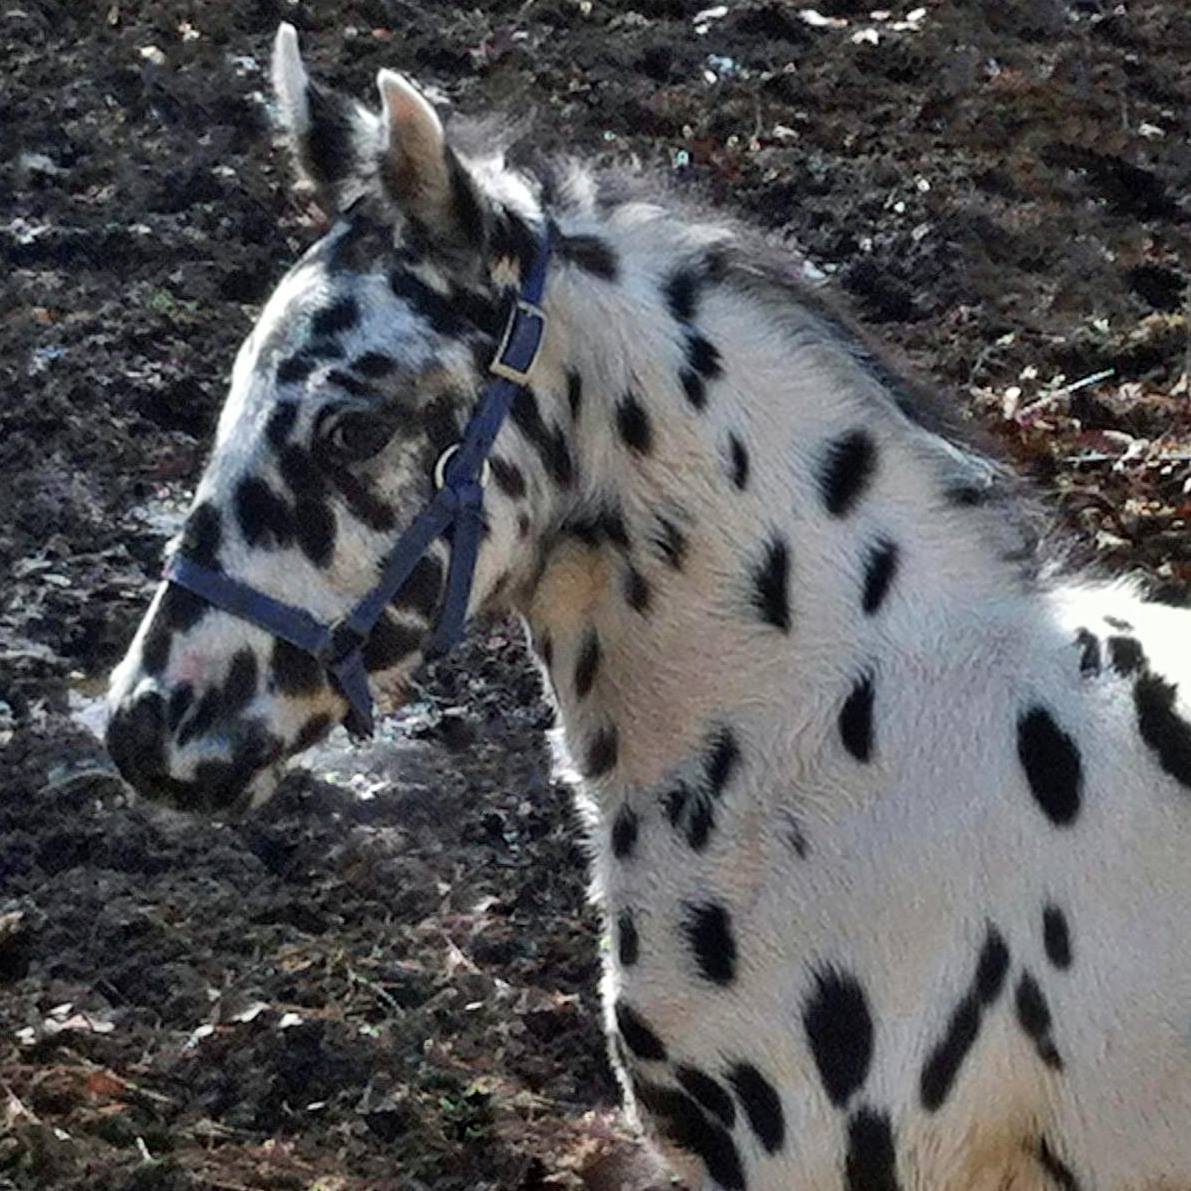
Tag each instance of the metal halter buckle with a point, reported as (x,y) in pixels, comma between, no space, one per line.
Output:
(524,316)
(440,468)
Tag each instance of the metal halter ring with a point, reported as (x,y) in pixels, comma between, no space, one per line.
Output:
(440,468)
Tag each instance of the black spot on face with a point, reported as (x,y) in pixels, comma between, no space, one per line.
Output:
(588,664)
(683,1123)
(1115,622)
(624,832)
(388,643)
(374,365)
(281,424)
(1089,652)
(1056,936)
(638,1036)
(839,1031)
(296,368)
(871,1164)
(295,672)
(738,461)
(434,308)
(1125,654)
(331,320)
(879,570)
(670,543)
(591,253)
(1051,761)
(208,709)
(421,590)
(263,516)
(945,1059)
(549,442)
(1161,726)
(1033,1015)
(771,584)
(632,422)
(847,471)
(762,1105)
(508,476)
(708,929)
(312,731)
(856,720)
(711,1097)
(202,536)
(628,942)
(602,753)
(314,529)
(636,590)
(241,682)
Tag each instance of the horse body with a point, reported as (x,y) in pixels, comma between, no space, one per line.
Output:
(889,821)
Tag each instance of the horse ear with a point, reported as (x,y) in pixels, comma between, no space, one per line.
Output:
(421,172)
(333,138)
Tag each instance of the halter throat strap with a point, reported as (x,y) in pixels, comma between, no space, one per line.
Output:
(459,503)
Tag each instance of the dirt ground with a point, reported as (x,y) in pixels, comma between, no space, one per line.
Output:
(387,979)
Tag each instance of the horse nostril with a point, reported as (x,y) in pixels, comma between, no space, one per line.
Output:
(136,739)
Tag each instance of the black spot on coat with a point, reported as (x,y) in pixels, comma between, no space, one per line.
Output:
(508,476)
(591,253)
(711,1097)
(632,422)
(856,720)
(637,1035)
(1056,936)
(708,928)
(624,832)
(947,1056)
(1033,1015)
(683,1123)
(549,442)
(588,664)
(771,584)
(839,1031)
(762,1105)
(879,570)
(1052,764)
(871,1164)
(670,542)
(603,751)
(636,590)
(628,942)
(1161,726)
(847,471)
(738,461)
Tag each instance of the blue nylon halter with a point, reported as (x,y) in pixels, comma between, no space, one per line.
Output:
(459,475)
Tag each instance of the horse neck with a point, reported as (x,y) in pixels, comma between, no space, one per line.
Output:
(752,512)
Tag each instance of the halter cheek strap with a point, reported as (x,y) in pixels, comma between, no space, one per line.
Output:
(459,476)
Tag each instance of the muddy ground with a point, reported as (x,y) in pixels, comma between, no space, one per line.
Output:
(387,979)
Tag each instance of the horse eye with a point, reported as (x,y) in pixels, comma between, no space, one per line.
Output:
(355,435)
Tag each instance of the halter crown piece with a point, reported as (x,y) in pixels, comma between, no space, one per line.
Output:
(459,476)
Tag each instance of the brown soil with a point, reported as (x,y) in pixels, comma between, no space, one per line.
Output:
(399,992)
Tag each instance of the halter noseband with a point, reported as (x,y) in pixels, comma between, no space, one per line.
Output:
(459,476)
